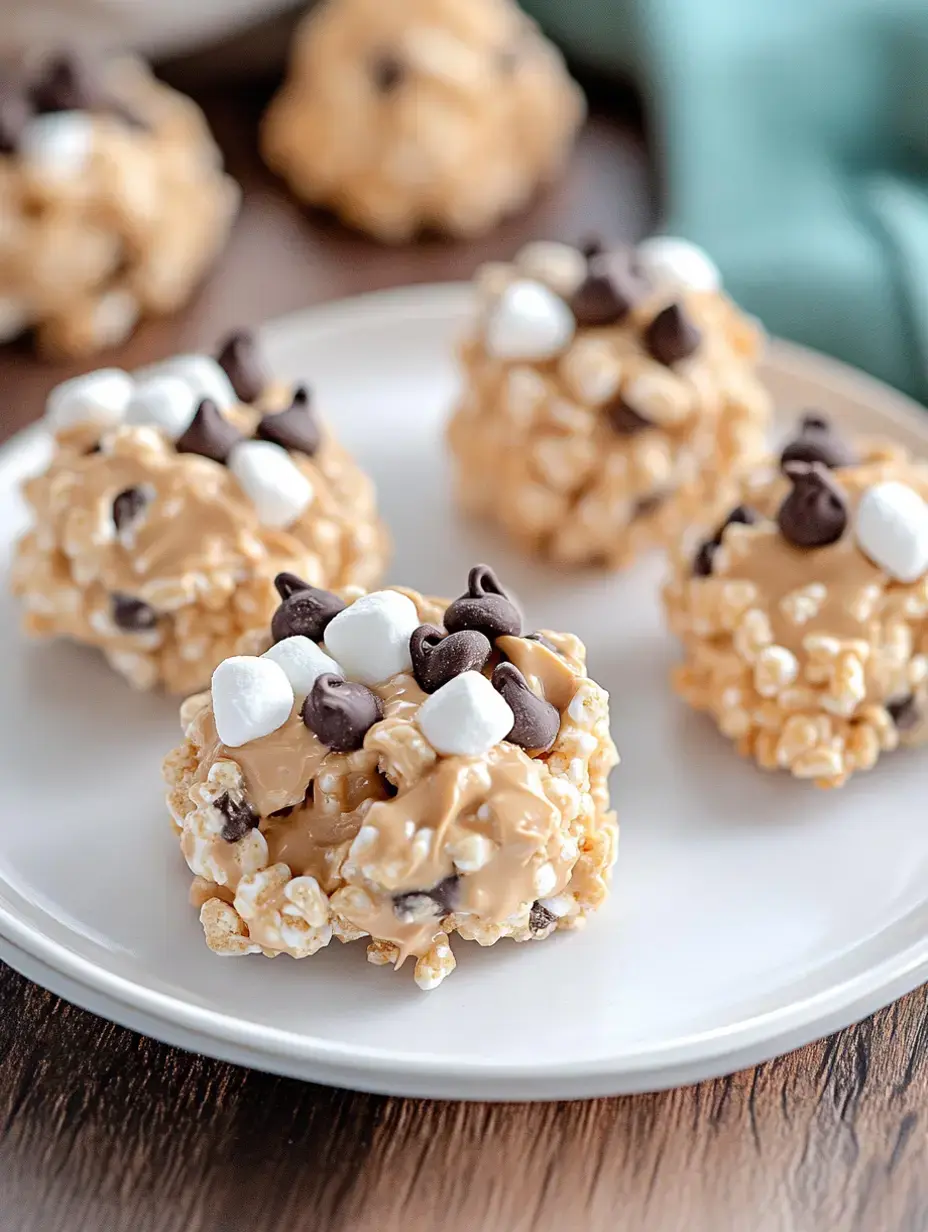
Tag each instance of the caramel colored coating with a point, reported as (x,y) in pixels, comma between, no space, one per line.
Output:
(402,115)
(804,656)
(195,551)
(546,449)
(392,841)
(82,257)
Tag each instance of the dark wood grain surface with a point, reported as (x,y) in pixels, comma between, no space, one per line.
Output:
(103,1130)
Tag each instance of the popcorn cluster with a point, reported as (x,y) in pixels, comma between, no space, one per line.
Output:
(398,769)
(173,499)
(608,397)
(803,619)
(113,203)
(421,114)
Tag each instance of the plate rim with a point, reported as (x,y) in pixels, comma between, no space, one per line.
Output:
(687,1058)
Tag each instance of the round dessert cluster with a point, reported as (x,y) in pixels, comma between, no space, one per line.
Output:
(113,203)
(421,114)
(173,498)
(400,769)
(803,619)
(607,395)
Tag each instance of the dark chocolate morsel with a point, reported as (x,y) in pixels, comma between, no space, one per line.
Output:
(743,514)
(340,712)
(240,817)
(540,919)
(127,505)
(905,713)
(295,428)
(288,584)
(485,607)
(671,335)
(815,512)
(387,73)
(592,246)
(240,359)
(438,658)
(608,292)
(132,615)
(210,434)
(65,82)
(304,612)
(419,905)
(537,722)
(817,441)
(623,420)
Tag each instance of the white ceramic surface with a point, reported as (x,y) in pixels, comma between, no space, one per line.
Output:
(750,914)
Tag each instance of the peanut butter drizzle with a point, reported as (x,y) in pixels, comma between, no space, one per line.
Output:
(519,818)
(547,673)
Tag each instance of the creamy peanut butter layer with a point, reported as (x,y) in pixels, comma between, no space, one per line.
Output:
(803,618)
(113,202)
(609,397)
(421,114)
(173,499)
(397,769)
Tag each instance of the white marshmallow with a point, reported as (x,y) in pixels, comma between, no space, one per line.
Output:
(892,529)
(466,716)
(251,698)
(276,486)
(558,266)
(674,263)
(528,322)
(58,144)
(164,402)
(98,397)
(303,662)
(371,637)
(202,374)
(14,317)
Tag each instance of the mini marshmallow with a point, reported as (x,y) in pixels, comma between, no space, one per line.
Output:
(164,402)
(528,322)
(466,716)
(892,529)
(14,317)
(251,698)
(202,374)
(58,144)
(276,486)
(99,397)
(371,637)
(674,263)
(558,266)
(303,662)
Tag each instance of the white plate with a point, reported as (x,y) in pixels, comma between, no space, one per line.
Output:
(750,913)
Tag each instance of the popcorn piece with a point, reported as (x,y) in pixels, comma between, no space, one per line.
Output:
(276,486)
(357,827)
(411,115)
(251,698)
(371,637)
(815,668)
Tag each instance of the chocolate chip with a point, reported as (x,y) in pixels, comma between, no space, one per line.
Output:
(537,722)
(210,434)
(671,335)
(817,441)
(65,82)
(132,615)
(905,713)
(305,611)
(486,607)
(608,292)
(240,359)
(340,712)
(240,817)
(387,73)
(127,506)
(623,420)
(294,428)
(540,919)
(742,514)
(438,657)
(416,906)
(592,246)
(815,512)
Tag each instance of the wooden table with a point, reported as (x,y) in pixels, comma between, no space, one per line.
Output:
(103,1130)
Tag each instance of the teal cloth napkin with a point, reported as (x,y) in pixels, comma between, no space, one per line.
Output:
(793,138)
